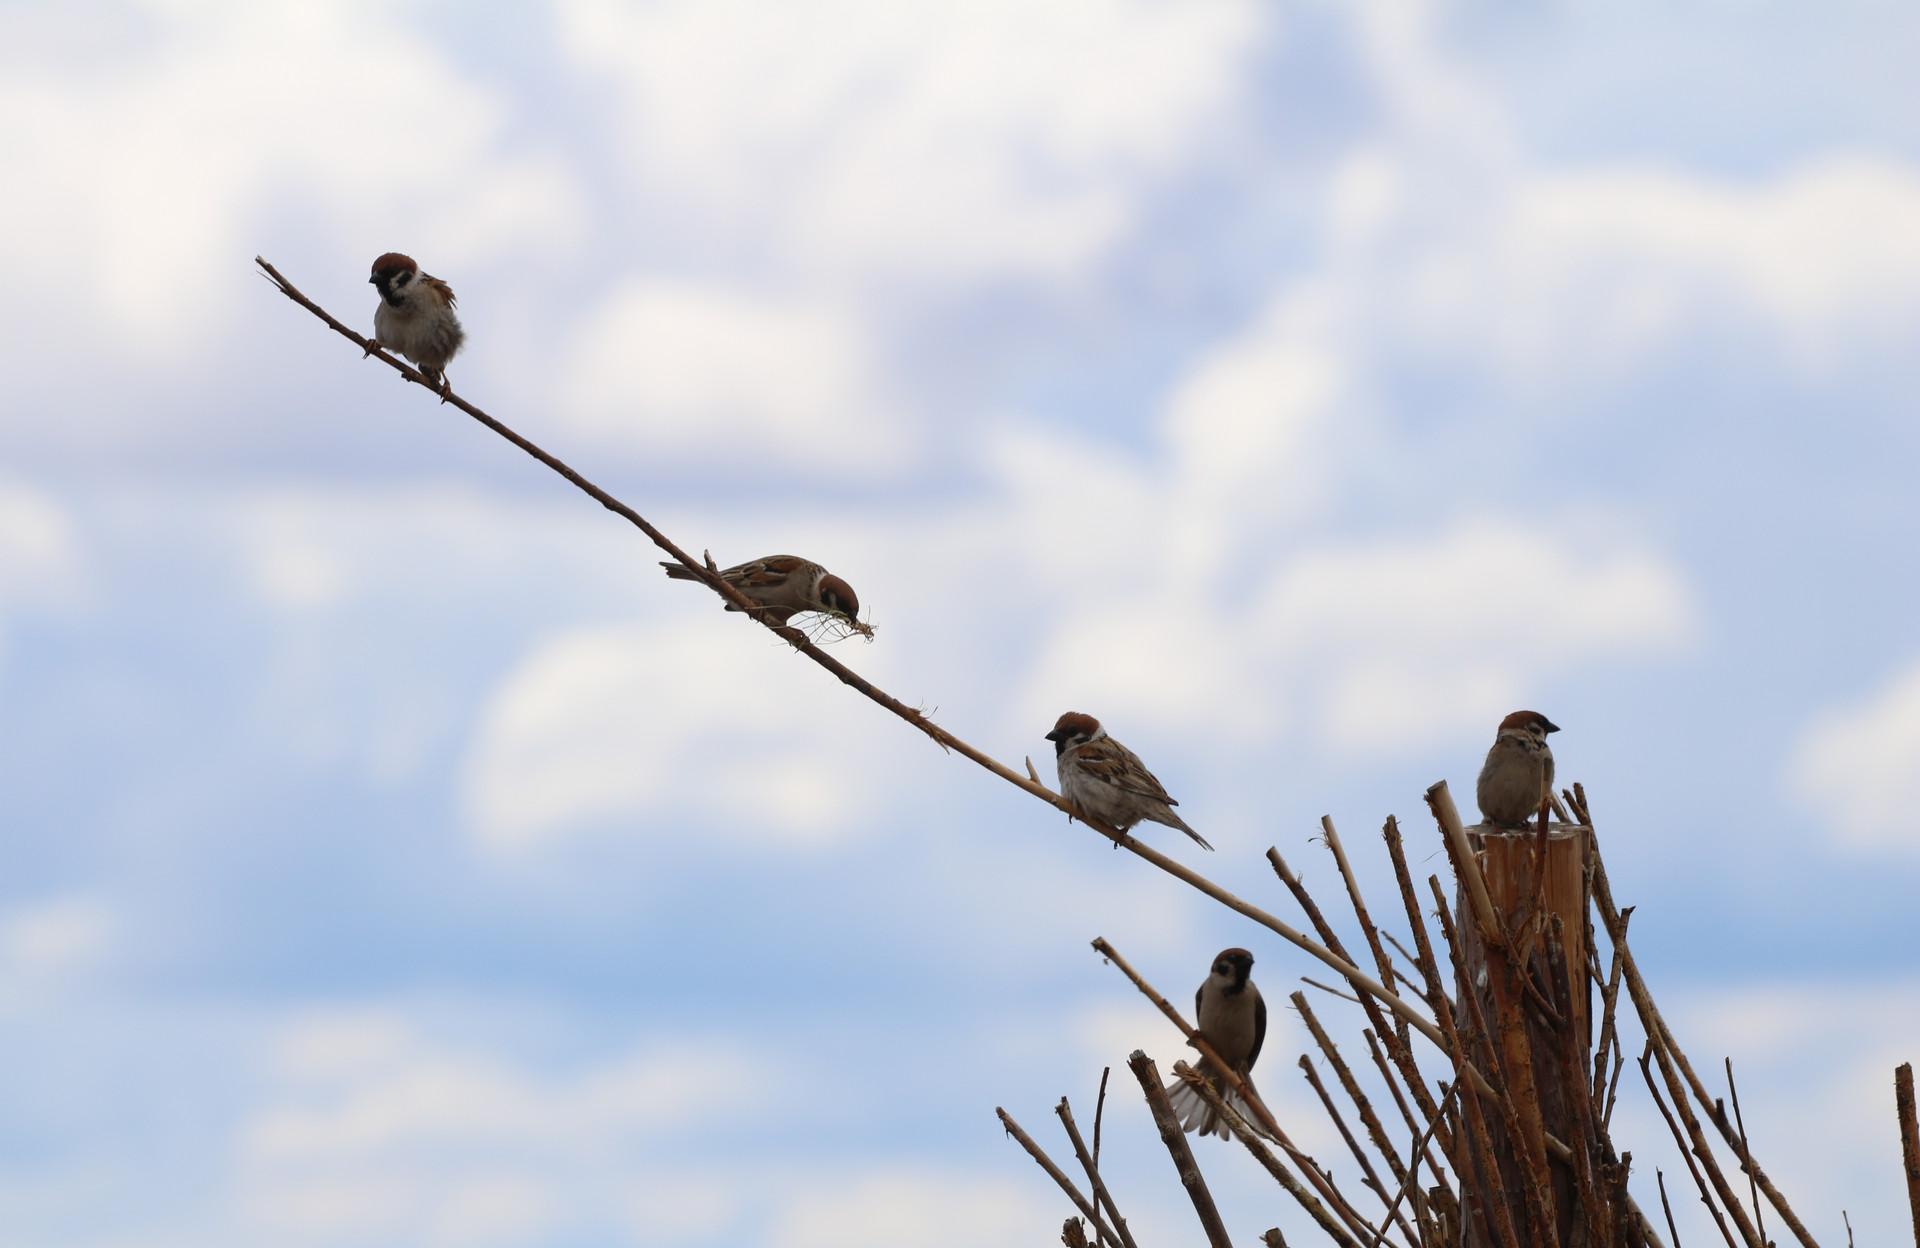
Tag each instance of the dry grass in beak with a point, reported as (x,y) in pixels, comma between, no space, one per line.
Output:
(825,629)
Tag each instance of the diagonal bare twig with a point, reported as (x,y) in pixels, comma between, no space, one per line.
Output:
(853,680)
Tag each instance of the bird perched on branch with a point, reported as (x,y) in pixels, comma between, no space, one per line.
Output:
(1230,1014)
(415,317)
(1517,780)
(1107,781)
(785,586)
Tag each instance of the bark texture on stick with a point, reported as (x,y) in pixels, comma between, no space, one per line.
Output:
(1176,1141)
(1909,1139)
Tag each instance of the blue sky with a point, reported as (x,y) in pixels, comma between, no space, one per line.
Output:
(395,857)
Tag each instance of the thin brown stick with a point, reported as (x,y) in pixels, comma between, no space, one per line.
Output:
(1909,1140)
(1238,1125)
(1466,865)
(1376,1132)
(1412,1181)
(1670,1056)
(1672,1230)
(1054,1172)
(1339,852)
(1573,1082)
(1099,1111)
(1739,1120)
(1609,999)
(1272,1238)
(1848,1222)
(1680,1139)
(1100,1192)
(1330,990)
(1369,1175)
(1391,1079)
(1176,1141)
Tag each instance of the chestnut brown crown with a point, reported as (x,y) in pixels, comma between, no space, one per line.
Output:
(1529,719)
(393,263)
(1074,724)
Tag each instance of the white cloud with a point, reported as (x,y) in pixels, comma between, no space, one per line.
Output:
(51,939)
(925,1208)
(947,140)
(747,382)
(139,181)
(1859,766)
(636,723)
(1815,1067)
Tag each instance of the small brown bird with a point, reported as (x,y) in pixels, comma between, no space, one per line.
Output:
(415,317)
(1518,777)
(1107,781)
(786,586)
(1230,1013)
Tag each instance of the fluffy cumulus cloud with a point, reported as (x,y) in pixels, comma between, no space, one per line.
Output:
(374,1127)
(1859,766)
(626,725)
(753,384)
(918,141)
(933,1209)
(1815,1065)
(1445,240)
(150,171)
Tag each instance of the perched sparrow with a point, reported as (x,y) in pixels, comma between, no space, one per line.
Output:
(1518,777)
(1229,1012)
(415,317)
(785,585)
(1107,781)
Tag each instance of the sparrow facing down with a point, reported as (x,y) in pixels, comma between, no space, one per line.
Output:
(786,586)
(1107,781)
(1229,1012)
(415,317)
(1518,777)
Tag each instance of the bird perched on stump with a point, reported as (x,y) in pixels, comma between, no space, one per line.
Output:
(1518,777)
(415,317)
(1230,1014)
(1107,781)
(785,586)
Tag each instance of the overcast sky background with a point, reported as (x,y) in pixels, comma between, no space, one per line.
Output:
(394,856)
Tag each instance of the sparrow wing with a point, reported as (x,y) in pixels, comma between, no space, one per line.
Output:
(440,289)
(765,573)
(1120,767)
(1259,1026)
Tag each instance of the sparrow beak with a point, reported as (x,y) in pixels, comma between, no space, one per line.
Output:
(1550,725)
(1055,735)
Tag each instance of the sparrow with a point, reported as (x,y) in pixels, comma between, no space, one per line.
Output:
(415,317)
(784,586)
(1107,781)
(1518,777)
(1229,1012)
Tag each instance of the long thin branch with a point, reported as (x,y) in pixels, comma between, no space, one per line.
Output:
(1054,1172)
(1243,1132)
(1099,1186)
(919,720)
(1909,1140)
(1176,1141)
